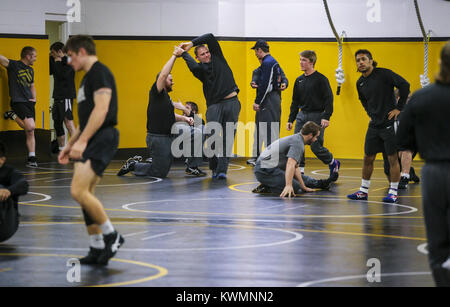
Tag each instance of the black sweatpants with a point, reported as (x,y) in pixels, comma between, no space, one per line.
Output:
(9,219)
(436,207)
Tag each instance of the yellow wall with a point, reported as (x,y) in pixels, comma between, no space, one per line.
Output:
(136,63)
(10,48)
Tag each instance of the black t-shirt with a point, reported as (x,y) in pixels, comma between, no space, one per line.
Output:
(64,75)
(312,94)
(160,112)
(99,76)
(425,124)
(20,77)
(376,93)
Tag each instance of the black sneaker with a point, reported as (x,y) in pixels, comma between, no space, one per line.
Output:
(403,184)
(251,161)
(334,176)
(32,161)
(113,242)
(129,165)
(195,171)
(261,189)
(9,115)
(413,176)
(92,256)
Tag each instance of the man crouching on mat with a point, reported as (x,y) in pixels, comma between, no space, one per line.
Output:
(93,146)
(277,167)
(12,185)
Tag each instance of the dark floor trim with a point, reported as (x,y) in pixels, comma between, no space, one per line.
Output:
(34,36)
(273,39)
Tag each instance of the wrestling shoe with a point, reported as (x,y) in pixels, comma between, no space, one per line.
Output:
(113,242)
(221,176)
(358,196)
(195,171)
(251,161)
(403,184)
(390,198)
(129,165)
(413,176)
(334,168)
(9,115)
(261,189)
(32,161)
(92,256)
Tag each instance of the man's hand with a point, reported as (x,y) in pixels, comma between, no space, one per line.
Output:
(178,51)
(288,191)
(256,107)
(4,194)
(76,152)
(283,86)
(186,46)
(324,123)
(393,114)
(306,189)
(189,120)
(178,105)
(254,85)
(63,157)
(289,126)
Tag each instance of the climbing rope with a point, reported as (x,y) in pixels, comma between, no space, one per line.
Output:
(340,77)
(424,80)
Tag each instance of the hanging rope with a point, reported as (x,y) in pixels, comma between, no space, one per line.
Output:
(340,77)
(424,80)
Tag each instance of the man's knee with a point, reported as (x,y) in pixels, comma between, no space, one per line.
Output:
(369,159)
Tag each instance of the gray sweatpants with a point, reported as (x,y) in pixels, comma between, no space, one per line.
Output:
(267,122)
(317,147)
(275,179)
(159,148)
(226,111)
(436,208)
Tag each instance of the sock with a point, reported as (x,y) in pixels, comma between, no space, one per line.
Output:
(302,170)
(31,154)
(107,227)
(96,241)
(61,148)
(332,161)
(14,116)
(365,185)
(393,188)
(404,175)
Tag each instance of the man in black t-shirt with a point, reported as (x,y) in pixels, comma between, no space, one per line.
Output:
(221,94)
(12,185)
(312,94)
(63,92)
(160,128)
(23,96)
(376,92)
(93,145)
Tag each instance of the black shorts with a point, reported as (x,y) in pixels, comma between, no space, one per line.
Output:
(24,109)
(62,109)
(9,219)
(379,140)
(101,149)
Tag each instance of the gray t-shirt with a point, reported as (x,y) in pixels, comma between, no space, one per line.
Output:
(277,154)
